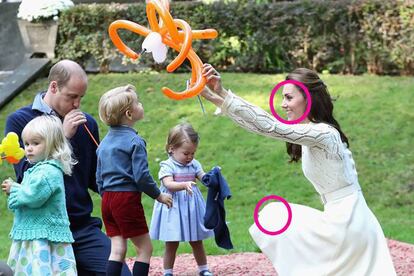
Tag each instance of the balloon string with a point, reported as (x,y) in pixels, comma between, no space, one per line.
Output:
(90,134)
(198,97)
(201,104)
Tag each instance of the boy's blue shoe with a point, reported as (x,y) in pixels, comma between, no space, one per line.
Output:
(205,273)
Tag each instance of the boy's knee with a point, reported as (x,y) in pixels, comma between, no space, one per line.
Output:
(145,248)
(118,253)
(148,248)
(144,253)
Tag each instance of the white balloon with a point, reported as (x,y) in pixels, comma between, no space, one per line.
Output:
(153,44)
(151,41)
(160,53)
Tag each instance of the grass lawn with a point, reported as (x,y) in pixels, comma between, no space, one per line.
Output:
(375,112)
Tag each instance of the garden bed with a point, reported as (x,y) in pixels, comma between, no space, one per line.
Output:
(256,264)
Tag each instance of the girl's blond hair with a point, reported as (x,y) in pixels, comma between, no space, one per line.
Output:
(114,103)
(50,129)
(180,134)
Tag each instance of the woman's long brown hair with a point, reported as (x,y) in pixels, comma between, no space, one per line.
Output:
(321,109)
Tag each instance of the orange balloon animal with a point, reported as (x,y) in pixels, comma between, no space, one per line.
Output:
(179,40)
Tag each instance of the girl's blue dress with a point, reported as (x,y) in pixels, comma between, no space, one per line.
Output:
(185,220)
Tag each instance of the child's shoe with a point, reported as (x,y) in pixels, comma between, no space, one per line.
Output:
(205,273)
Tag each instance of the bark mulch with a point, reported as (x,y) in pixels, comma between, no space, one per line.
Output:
(256,264)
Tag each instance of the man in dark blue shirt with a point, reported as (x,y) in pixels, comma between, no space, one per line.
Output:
(67,85)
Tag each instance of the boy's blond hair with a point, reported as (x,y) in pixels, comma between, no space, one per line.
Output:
(114,103)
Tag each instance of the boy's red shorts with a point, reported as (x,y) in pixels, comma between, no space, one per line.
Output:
(123,214)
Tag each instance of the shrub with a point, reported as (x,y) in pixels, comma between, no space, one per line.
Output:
(261,36)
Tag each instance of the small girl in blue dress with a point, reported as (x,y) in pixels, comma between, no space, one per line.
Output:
(184,221)
(42,240)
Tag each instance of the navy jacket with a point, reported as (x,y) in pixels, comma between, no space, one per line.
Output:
(122,163)
(215,216)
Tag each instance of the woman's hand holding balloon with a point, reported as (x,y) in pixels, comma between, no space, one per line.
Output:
(214,91)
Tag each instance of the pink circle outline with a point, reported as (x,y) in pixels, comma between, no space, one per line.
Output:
(308,106)
(256,215)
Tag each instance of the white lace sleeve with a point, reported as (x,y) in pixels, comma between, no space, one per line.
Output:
(258,121)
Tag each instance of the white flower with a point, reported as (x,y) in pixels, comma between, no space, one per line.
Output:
(32,10)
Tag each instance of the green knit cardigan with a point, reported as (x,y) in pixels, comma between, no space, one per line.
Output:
(39,205)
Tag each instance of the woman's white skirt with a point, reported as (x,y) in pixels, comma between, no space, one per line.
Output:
(345,239)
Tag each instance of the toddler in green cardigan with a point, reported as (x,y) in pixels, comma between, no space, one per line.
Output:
(41,235)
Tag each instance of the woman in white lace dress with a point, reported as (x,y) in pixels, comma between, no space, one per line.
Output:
(343,239)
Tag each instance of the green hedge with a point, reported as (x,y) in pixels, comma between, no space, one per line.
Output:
(339,36)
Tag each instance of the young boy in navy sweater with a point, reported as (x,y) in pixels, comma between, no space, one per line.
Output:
(122,174)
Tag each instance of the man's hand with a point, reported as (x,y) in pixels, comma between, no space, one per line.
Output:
(71,122)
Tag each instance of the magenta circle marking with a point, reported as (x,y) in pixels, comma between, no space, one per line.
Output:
(308,106)
(256,215)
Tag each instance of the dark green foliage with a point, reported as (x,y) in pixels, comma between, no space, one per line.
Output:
(260,36)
